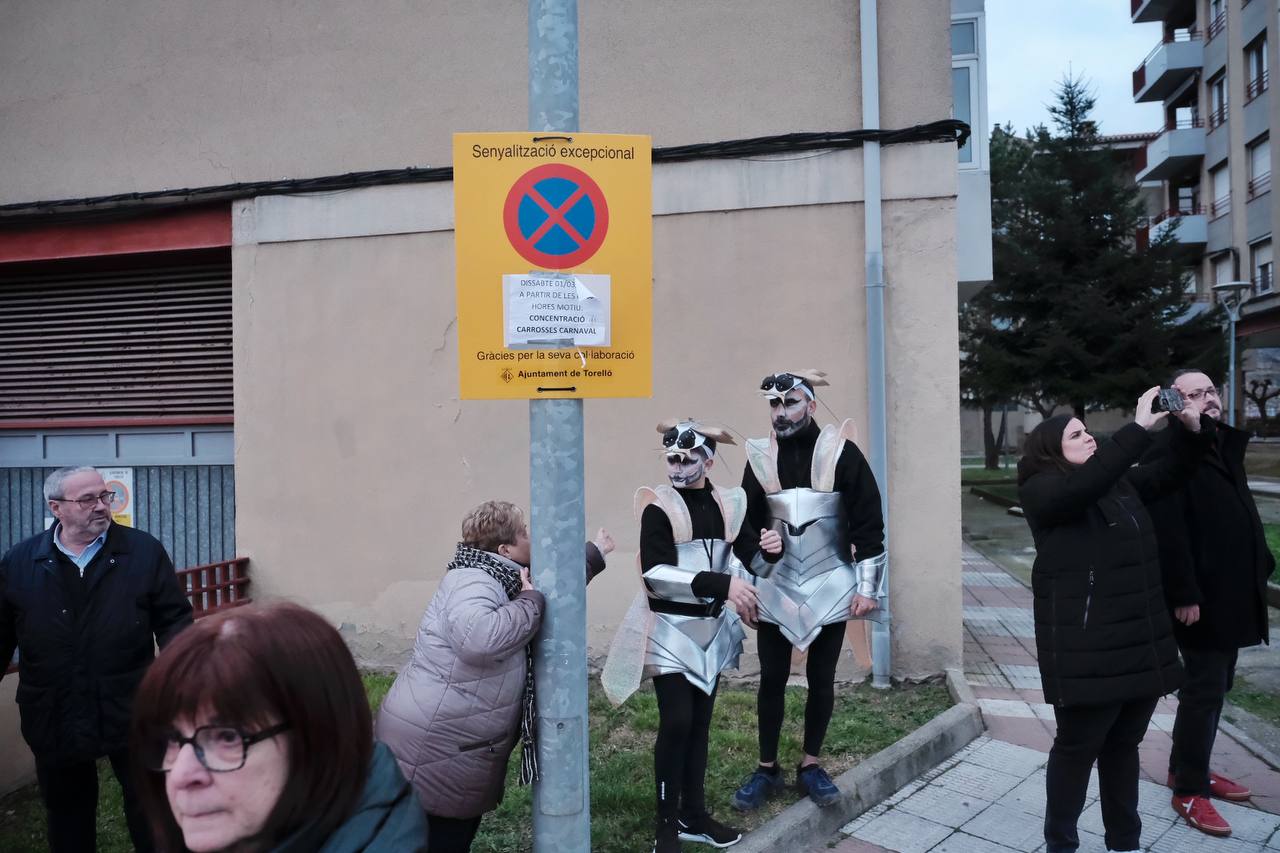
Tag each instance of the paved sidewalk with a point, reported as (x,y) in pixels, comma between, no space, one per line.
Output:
(989,798)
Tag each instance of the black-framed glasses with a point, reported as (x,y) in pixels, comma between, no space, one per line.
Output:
(1200,393)
(782,382)
(108,497)
(686,439)
(220,749)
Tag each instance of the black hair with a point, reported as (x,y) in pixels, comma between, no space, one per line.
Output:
(1043,450)
(1183,371)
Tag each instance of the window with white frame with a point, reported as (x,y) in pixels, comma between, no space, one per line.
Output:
(1255,68)
(1220,185)
(1260,166)
(1260,259)
(965,83)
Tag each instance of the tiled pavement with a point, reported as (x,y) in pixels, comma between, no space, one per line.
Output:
(989,797)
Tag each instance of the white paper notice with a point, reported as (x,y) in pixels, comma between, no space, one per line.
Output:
(544,310)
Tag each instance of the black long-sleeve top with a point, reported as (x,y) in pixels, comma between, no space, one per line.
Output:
(658,545)
(854,481)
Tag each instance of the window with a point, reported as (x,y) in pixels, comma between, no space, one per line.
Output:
(1217,18)
(1255,69)
(1260,257)
(1220,185)
(1191,281)
(1217,100)
(964,38)
(1260,167)
(966,88)
(1183,116)
(1188,200)
(1222,269)
(962,106)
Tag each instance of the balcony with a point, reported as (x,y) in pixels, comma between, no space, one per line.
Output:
(1189,225)
(1168,65)
(1149,11)
(1178,147)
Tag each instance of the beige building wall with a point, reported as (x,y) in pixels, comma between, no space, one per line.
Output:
(355,459)
(111,96)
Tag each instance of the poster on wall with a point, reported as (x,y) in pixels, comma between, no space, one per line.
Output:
(120,481)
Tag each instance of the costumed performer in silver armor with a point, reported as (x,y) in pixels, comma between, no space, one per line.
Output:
(689,532)
(815,488)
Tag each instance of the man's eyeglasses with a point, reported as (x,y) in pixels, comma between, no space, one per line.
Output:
(107,498)
(1200,393)
(220,749)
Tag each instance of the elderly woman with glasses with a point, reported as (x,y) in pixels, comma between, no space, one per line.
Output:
(456,711)
(252,732)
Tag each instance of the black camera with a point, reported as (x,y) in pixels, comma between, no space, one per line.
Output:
(1168,400)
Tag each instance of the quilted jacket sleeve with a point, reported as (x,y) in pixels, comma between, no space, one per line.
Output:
(481,623)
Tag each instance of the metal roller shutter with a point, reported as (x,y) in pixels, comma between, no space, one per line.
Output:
(145,342)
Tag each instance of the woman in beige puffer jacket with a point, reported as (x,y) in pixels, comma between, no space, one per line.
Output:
(453,715)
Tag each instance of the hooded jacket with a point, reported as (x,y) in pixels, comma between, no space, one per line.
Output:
(1103,632)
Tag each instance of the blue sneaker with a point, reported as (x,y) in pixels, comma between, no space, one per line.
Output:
(815,782)
(758,788)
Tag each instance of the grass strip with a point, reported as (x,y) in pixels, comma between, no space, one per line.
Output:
(622,796)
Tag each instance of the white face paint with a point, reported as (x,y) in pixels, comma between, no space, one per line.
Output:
(687,470)
(792,413)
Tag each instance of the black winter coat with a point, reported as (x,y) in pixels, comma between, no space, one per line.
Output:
(1213,551)
(1103,632)
(81,656)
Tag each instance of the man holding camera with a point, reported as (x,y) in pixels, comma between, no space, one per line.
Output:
(1214,564)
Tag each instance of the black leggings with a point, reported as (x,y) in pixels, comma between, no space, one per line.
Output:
(680,753)
(775,668)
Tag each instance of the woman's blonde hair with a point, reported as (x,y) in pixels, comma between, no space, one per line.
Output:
(491,524)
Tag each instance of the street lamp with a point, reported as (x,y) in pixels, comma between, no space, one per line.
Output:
(1231,297)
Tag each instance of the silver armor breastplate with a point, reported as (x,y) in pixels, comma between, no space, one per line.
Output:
(814,582)
(699,647)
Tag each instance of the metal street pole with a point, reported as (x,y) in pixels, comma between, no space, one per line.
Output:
(1231,370)
(1231,295)
(561,796)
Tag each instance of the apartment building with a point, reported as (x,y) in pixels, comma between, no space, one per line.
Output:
(1212,153)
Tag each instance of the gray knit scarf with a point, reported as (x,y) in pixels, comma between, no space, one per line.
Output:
(502,571)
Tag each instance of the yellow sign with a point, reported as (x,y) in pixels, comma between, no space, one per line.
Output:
(554,243)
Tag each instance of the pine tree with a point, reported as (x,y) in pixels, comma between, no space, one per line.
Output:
(1078,314)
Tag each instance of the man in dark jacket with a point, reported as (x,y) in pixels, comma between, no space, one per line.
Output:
(84,603)
(1214,565)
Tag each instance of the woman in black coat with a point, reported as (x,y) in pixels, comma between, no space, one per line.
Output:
(1103,636)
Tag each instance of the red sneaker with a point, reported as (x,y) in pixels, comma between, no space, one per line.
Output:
(1222,788)
(1200,814)
(1225,789)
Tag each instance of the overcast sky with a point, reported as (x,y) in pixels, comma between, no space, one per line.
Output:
(1032,44)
